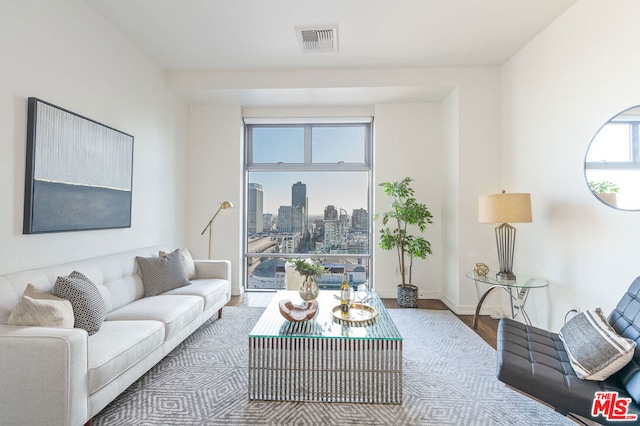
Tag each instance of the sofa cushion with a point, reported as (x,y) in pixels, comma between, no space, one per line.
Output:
(212,290)
(174,311)
(89,309)
(162,273)
(187,262)
(41,308)
(119,346)
(595,350)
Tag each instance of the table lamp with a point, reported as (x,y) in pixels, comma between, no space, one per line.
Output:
(223,205)
(504,208)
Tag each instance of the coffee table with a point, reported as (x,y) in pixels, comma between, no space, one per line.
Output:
(325,359)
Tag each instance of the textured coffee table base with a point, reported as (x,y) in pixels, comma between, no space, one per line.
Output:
(325,369)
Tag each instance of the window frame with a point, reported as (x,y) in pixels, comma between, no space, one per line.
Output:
(634,149)
(308,166)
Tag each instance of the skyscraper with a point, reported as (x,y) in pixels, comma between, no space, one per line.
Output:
(254,209)
(299,199)
(330,213)
(360,220)
(290,219)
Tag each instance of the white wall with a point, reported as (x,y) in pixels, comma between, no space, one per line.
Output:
(65,53)
(408,144)
(215,175)
(557,92)
(411,139)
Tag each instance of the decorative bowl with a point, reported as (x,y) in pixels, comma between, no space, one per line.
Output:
(297,313)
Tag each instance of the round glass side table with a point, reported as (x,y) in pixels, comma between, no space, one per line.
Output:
(518,290)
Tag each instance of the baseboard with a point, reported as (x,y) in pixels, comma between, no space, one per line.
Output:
(493,310)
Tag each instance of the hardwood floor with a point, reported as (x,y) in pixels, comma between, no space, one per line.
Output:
(487,326)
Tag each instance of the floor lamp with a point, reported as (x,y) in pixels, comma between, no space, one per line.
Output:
(503,208)
(223,205)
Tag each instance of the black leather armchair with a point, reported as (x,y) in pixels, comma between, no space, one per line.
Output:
(535,362)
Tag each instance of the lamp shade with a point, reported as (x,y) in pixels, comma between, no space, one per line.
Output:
(504,208)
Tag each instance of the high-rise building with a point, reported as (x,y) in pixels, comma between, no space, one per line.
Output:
(290,219)
(330,213)
(360,220)
(336,232)
(299,199)
(254,209)
(267,221)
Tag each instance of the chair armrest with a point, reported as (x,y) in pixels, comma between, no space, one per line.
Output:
(44,375)
(213,269)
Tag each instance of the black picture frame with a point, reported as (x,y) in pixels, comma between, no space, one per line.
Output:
(79,173)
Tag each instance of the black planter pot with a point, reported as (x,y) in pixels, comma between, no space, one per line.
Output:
(407,296)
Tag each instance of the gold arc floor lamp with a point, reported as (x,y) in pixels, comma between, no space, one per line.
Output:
(224,205)
(504,209)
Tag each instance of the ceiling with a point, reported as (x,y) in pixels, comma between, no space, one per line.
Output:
(258,35)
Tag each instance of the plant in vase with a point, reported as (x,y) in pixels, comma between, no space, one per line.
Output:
(406,214)
(310,269)
(606,191)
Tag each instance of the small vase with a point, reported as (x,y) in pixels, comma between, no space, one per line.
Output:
(309,288)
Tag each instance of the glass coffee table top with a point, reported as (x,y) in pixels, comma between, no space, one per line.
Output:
(325,324)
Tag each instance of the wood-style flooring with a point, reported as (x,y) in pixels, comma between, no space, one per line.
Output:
(487,327)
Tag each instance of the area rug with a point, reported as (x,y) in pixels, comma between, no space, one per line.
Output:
(449,378)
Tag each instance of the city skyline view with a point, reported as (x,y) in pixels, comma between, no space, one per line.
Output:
(294,173)
(344,190)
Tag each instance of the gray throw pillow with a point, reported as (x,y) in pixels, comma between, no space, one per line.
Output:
(160,274)
(187,262)
(89,308)
(595,350)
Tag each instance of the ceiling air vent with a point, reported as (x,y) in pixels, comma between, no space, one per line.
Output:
(324,39)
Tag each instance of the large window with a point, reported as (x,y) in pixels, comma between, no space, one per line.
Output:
(308,193)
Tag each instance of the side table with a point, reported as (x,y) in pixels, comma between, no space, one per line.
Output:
(518,291)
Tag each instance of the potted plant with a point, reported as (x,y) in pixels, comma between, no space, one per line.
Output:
(406,215)
(310,269)
(606,191)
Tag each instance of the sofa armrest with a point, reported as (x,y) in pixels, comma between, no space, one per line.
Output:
(44,375)
(213,269)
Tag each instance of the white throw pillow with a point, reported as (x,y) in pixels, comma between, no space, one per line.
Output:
(595,350)
(41,308)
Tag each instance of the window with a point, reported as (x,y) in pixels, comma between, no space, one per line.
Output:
(616,145)
(308,193)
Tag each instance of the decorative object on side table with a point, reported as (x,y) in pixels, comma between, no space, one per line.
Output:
(481,269)
(297,313)
(503,208)
(310,269)
(405,212)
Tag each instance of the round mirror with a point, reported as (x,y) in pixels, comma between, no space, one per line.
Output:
(612,163)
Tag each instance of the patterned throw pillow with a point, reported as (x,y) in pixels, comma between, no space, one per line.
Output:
(595,350)
(160,274)
(41,308)
(187,262)
(88,305)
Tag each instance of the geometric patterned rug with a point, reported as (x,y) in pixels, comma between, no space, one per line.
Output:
(449,378)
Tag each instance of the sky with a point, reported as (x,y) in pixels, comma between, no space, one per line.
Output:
(330,145)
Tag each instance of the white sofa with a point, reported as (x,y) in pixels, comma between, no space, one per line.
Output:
(57,376)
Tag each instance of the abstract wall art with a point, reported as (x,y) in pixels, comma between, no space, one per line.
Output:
(79,172)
